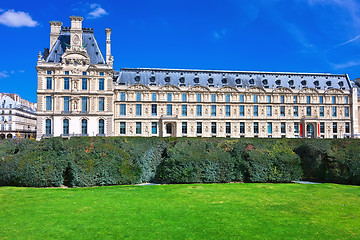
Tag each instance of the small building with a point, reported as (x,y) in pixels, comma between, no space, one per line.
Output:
(18,117)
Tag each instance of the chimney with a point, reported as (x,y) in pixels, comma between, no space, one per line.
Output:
(55,29)
(108,45)
(76,31)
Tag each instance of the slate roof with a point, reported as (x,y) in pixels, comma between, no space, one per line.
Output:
(240,79)
(88,39)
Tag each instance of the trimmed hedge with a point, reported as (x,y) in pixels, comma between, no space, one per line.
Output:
(109,161)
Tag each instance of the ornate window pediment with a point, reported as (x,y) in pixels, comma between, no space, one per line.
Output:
(169,87)
(309,91)
(255,90)
(199,88)
(282,90)
(138,86)
(227,89)
(334,91)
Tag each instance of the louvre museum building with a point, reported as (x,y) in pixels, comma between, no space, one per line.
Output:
(80,94)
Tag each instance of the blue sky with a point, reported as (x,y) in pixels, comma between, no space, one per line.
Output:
(261,35)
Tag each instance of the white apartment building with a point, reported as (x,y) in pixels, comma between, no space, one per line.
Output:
(80,94)
(17,117)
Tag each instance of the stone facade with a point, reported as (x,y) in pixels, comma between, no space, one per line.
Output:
(80,94)
(18,117)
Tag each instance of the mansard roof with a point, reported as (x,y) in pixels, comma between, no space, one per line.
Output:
(88,40)
(237,79)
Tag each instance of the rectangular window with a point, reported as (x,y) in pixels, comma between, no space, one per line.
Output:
(296,111)
(213,98)
(242,127)
(198,97)
(184,110)
(308,100)
(296,127)
(255,98)
(122,96)
(333,100)
(122,127)
(213,110)
(256,128)
(184,128)
(122,109)
(101,104)
(154,127)
(308,111)
(269,128)
(138,127)
(138,97)
(213,128)
(101,73)
(321,111)
(169,97)
(269,111)
(84,104)
(346,111)
(227,98)
(49,83)
(227,110)
(283,128)
(184,97)
(282,111)
(334,111)
(84,84)
(322,127)
(198,110)
(346,100)
(169,109)
(66,72)
(138,109)
(153,109)
(101,84)
(256,112)
(268,98)
(66,104)
(282,99)
(347,127)
(242,110)
(295,99)
(228,128)
(84,73)
(66,83)
(48,103)
(334,127)
(321,99)
(199,128)
(241,98)
(153,97)
(48,72)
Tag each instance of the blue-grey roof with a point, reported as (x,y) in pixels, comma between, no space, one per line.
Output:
(88,39)
(240,79)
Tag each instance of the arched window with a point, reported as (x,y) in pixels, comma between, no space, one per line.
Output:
(101,127)
(48,127)
(66,126)
(84,127)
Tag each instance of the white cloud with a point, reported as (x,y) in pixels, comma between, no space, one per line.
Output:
(346,65)
(11,18)
(220,34)
(3,74)
(97,11)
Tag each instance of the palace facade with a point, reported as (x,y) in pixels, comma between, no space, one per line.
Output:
(80,94)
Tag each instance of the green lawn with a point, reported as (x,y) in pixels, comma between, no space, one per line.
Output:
(198,211)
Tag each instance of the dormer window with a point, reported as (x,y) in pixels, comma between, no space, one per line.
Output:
(152,79)
(224,81)
(316,83)
(291,82)
(278,82)
(210,80)
(265,82)
(251,81)
(238,81)
(341,83)
(328,83)
(303,82)
(196,80)
(137,78)
(167,79)
(182,80)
